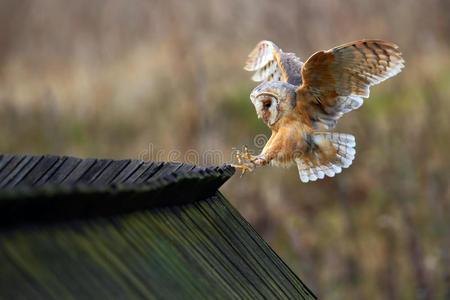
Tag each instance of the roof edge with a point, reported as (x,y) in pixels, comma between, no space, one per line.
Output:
(172,184)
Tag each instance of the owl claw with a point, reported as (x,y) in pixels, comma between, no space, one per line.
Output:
(243,166)
(246,155)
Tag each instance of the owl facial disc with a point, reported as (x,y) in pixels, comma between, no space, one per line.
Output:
(266,105)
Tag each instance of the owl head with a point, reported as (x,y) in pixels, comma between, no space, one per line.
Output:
(272,100)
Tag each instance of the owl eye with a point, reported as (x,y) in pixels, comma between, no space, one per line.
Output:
(267,104)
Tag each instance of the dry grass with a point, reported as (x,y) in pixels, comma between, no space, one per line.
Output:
(130,78)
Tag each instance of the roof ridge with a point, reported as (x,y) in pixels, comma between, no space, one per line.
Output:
(78,188)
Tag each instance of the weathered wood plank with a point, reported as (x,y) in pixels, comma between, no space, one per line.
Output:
(40,169)
(250,256)
(10,166)
(186,168)
(68,166)
(5,160)
(127,171)
(111,171)
(220,245)
(12,169)
(152,169)
(138,172)
(79,170)
(27,168)
(247,230)
(94,171)
(50,173)
(196,238)
(165,170)
(206,260)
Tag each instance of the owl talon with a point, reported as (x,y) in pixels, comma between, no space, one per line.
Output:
(244,168)
(246,155)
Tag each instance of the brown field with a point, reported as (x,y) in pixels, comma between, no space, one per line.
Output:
(164,80)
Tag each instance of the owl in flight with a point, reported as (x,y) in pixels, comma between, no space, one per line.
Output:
(301,102)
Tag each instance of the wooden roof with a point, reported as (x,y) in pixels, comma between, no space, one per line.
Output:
(100,228)
(97,187)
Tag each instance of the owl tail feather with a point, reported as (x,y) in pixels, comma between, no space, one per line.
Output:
(328,154)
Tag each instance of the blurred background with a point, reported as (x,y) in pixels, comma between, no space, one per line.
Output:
(163,80)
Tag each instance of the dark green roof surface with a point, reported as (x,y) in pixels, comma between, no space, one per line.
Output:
(74,228)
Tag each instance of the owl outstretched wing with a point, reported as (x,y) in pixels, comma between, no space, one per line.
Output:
(335,81)
(270,63)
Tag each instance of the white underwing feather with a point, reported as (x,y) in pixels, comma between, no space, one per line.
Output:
(344,144)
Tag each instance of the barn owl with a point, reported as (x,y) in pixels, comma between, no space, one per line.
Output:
(302,102)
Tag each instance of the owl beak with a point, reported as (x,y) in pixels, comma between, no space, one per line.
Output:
(266,120)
